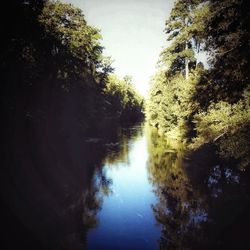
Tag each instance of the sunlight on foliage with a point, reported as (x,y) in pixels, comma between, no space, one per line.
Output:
(197,105)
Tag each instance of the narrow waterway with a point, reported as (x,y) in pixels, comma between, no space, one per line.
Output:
(126,220)
(127,189)
(151,194)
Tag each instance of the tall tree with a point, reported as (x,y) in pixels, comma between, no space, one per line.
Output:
(179,55)
(72,38)
(226,33)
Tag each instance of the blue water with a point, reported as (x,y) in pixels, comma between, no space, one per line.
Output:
(126,219)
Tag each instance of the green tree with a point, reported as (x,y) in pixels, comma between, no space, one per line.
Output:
(123,99)
(179,56)
(170,105)
(73,39)
(226,36)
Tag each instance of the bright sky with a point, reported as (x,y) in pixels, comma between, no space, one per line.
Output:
(132,33)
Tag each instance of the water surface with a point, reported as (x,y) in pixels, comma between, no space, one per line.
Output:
(126,219)
(128,189)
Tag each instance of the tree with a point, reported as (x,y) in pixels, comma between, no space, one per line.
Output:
(226,35)
(123,99)
(72,38)
(179,55)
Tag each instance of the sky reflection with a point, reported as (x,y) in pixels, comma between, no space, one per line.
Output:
(126,220)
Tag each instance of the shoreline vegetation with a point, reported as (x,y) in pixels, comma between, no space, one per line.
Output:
(54,71)
(198,105)
(62,106)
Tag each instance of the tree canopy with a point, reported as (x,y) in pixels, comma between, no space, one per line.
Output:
(208,105)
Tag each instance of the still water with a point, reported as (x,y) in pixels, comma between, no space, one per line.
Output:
(128,189)
(126,220)
(157,195)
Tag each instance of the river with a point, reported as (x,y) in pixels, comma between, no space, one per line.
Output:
(126,220)
(160,196)
(129,189)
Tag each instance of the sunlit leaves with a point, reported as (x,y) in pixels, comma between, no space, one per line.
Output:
(213,105)
(72,36)
(182,31)
(170,105)
(122,95)
(228,125)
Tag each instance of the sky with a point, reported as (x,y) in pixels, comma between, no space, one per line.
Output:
(132,32)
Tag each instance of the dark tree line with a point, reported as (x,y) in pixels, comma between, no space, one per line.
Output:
(55,95)
(50,53)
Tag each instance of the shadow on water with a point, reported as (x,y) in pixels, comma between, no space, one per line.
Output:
(55,185)
(203,200)
(48,195)
(126,218)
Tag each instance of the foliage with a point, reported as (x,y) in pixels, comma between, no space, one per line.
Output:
(228,126)
(54,95)
(59,67)
(179,56)
(170,106)
(72,38)
(226,36)
(211,106)
(127,105)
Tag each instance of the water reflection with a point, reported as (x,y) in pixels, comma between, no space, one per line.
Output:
(109,192)
(104,153)
(126,220)
(52,180)
(202,198)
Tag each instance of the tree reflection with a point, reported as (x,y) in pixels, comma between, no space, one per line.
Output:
(180,209)
(117,150)
(200,195)
(86,204)
(60,182)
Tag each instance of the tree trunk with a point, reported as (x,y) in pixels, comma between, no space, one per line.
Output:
(186,63)
(186,48)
